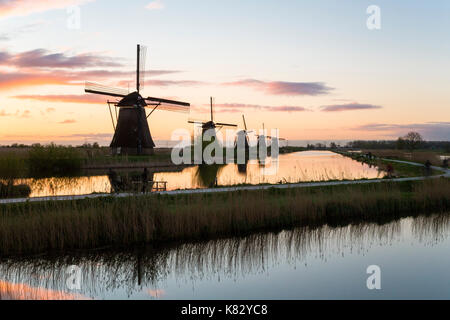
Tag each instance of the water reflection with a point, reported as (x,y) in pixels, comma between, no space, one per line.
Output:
(289,168)
(260,261)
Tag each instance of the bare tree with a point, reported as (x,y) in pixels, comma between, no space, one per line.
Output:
(413,140)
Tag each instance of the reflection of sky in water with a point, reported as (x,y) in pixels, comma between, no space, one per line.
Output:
(300,264)
(290,168)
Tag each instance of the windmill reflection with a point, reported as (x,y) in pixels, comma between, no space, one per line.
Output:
(206,175)
(135,181)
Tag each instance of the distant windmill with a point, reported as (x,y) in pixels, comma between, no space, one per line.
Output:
(262,141)
(131,132)
(207,125)
(242,136)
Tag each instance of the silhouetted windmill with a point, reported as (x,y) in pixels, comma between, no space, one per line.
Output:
(131,132)
(262,139)
(207,125)
(242,136)
(262,142)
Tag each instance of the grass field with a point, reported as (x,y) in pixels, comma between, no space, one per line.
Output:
(33,228)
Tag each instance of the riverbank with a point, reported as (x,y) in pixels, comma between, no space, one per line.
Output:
(46,227)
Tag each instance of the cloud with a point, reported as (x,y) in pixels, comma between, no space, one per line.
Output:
(82,98)
(13,8)
(239,108)
(40,67)
(74,139)
(165,83)
(68,121)
(25,29)
(41,58)
(155,5)
(14,80)
(430,130)
(348,107)
(17,114)
(49,110)
(3,113)
(25,114)
(285,88)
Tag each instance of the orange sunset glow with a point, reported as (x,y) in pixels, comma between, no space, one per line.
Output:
(360,87)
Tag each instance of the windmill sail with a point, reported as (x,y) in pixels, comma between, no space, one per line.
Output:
(92,87)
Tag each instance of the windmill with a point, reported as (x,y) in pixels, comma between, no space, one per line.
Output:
(207,125)
(131,131)
(262,142)
(242,136)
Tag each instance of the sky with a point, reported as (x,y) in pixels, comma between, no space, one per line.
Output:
(315,70)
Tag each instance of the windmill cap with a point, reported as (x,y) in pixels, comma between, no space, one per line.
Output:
(132,100)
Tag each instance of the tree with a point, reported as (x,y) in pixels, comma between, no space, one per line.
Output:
(413,140)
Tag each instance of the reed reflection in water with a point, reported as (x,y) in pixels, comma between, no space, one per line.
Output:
(288,264)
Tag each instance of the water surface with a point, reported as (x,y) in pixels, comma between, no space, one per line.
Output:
(289,168)
(306,263)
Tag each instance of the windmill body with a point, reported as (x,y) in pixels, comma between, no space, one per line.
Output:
(211,125)
(131,131)
(132,134)
(242,137)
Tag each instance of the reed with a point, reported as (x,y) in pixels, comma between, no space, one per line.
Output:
(53,159)
(70,225)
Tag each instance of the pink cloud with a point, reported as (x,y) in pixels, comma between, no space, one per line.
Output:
(240,107)
(68,121)
(155,5)
(430,130)
(13,8)
(41,58)
(84,98)
(284,87)
(348,107)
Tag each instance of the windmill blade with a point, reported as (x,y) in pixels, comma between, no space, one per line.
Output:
(226,125)
(167,101)
(196,121)
(142,58)
(245,124)
(169,105)
(92,87)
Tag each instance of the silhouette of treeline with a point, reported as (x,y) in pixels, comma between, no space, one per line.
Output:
(30,228)
(399,144)
(94,145)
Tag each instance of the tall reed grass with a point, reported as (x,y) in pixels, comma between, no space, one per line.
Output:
(86,224)
(53,159)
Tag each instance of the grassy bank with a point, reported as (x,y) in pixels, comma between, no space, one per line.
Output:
(400,170)
(52,160)
(419,156)
(86,224)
